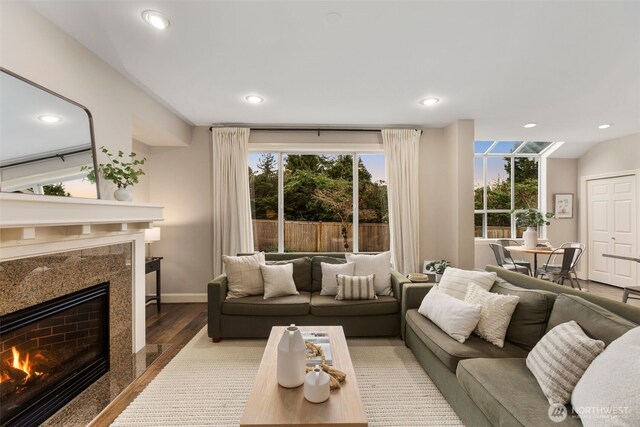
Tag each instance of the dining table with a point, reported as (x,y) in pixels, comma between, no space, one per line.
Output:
(544,250)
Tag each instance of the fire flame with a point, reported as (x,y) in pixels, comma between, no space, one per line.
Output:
(23,365)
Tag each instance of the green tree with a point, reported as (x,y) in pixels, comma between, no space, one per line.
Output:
(55,190)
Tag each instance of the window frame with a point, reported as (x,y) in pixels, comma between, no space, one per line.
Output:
(517,153)
(355,155)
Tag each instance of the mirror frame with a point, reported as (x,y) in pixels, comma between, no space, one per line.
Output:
(94,152)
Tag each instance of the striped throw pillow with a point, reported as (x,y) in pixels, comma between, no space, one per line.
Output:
(560,358)
(356,287)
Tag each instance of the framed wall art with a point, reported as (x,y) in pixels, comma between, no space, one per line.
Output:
(563,204)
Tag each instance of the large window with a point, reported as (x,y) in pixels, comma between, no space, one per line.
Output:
(319,202)
(506,175)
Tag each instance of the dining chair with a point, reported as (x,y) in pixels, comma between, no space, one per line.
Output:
(504,260)
(578,255)
(557,273)
(517,259)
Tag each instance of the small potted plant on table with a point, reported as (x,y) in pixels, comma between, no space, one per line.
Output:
(437,267)
(118,170)
(532,219)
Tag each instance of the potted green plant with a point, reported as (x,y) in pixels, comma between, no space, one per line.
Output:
(437,267)
(123,172)
(532,219)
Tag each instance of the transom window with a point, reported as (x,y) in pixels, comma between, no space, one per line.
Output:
(506,177)
(322,202)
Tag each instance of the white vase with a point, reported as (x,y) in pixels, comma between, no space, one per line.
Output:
(438,277)
(530,238)
(122,194)
(292,358)
(316,385)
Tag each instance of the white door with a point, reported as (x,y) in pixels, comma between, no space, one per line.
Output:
(611,221)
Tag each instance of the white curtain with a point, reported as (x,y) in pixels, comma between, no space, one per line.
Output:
(232,226)
(401,164)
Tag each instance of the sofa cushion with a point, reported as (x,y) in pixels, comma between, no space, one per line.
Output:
(595,321)
(326,305)
(290,305)
(316,269)
(301,272)
(507,393)
(529,320)
(450,351)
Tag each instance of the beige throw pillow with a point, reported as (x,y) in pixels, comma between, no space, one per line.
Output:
(356,287)
(378,265)
(329,273)
(278,280)
(560,358)
(454,281)
(244,277)
(495,315)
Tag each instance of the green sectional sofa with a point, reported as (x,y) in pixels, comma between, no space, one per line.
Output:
(253,317)
(487,385)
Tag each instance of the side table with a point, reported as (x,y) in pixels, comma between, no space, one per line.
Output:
(153,264)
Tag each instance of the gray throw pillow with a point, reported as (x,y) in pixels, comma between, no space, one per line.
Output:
(301,272)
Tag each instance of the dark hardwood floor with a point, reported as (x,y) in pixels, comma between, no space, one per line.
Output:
(176,324)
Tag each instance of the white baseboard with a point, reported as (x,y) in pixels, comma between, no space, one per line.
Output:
(183,298)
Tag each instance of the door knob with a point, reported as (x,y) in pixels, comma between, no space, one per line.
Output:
(613,238)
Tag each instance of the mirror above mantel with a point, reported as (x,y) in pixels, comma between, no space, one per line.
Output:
(45,140)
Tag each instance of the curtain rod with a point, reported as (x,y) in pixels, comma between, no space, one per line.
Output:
(312,129)
(52,156)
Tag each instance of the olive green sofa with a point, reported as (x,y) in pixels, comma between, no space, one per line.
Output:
(487,385)
(253,317)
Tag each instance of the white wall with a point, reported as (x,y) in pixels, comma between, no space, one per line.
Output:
(562,178)
(36,49)
(446,194)
(611,156)
(180,180)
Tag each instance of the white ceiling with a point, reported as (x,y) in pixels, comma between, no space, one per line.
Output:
(568,66)
(23,136)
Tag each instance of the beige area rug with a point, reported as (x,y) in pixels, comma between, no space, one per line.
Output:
(207,384)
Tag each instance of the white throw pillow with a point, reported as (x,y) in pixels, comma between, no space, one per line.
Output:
(611,384)
(243,275)
(379,265)
(456,318)
(495,315)
(329,273)
(454,281)
(560,358)
(278,280)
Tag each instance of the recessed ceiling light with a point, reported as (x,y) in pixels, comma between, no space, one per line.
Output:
(530,125)
(605,126)
(254,99)
(429,101)
(49,118)
(157,19)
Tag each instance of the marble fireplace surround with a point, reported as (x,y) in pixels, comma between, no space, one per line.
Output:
(38,226)
(52,246)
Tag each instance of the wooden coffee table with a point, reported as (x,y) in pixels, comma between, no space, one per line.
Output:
(270,405)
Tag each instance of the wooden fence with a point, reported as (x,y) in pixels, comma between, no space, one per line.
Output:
(313,236)
(497,232)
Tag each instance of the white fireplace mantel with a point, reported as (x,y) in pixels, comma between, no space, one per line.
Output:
(27,211)
(33,225)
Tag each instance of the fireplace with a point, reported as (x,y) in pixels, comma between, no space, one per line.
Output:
(51,352)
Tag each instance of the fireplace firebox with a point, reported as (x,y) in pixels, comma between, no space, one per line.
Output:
(51,352)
